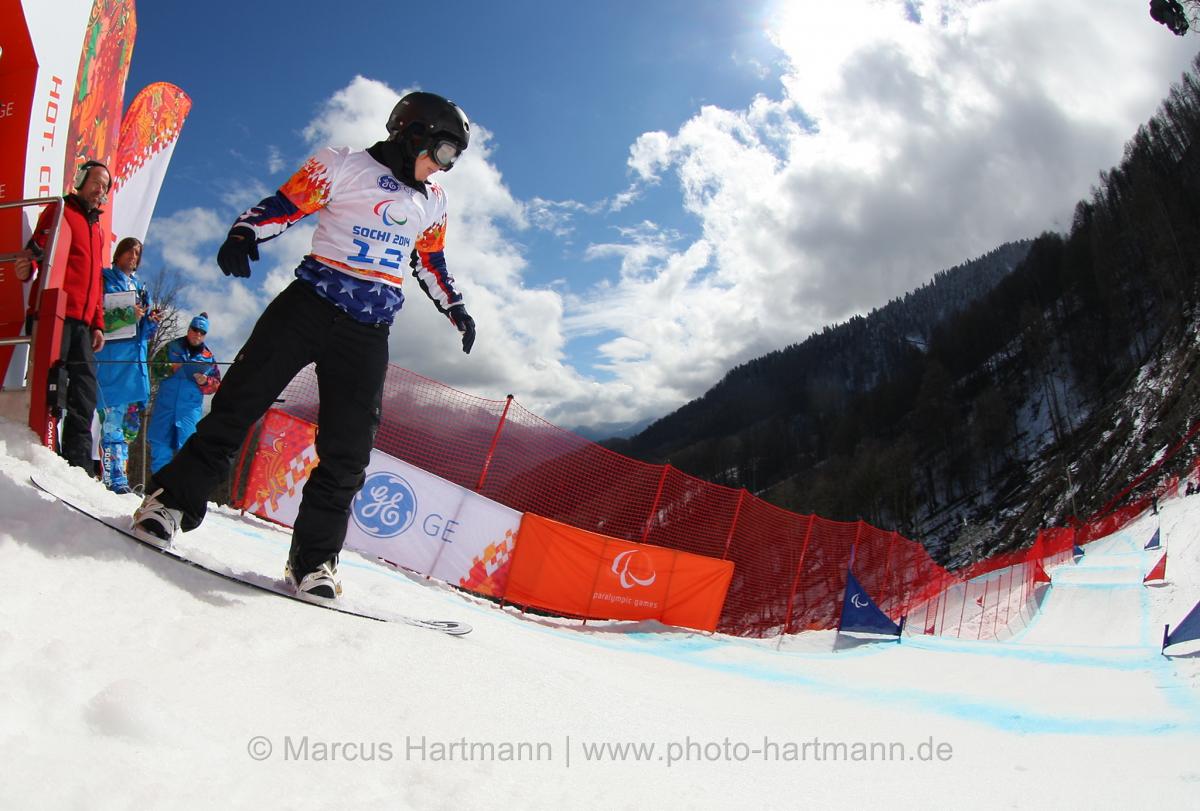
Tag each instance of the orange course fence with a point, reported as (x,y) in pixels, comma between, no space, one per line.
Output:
(789,570)
(579,573)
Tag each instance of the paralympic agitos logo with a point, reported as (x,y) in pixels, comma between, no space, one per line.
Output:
(642,566)
(382,210)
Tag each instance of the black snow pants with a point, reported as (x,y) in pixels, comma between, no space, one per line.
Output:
(299,327)
(82,390)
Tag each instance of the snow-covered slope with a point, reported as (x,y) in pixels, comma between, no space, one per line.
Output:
(130,680)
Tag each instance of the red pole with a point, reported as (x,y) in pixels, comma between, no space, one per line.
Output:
(657,497)
(47,330)
(1008,599)
(1026,585)
(737,511)
(945,603)
(787,626)
(963,610)
(983,609)
(47,343)
(887,572)
(840,605)
(999,592)
(492,448)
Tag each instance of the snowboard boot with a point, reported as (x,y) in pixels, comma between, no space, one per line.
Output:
(321,584)
(154,522)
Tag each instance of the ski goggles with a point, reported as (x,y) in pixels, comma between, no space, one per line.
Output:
(445,153)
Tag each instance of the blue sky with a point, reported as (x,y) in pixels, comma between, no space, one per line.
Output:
(657,191)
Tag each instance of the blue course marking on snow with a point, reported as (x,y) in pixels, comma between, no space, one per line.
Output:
(1093,567)
(1039,612)
(1144,600)
(1086,586)
(1101,559)
(1179,694)
(997,714)
(1128,657)
(693,650)
(714,643)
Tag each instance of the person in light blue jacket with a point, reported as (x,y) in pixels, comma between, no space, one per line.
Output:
(122,372)
(192,374)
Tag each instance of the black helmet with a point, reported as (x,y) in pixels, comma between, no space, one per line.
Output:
(427,122)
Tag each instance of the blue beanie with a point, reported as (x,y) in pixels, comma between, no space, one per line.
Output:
(200,322)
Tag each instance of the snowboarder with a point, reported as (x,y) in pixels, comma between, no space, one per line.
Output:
(193,374)
(123,374)
(375,209)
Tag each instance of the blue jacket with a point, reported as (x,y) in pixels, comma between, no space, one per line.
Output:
(179,396)
(128,381)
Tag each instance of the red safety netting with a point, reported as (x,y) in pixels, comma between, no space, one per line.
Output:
(789,569)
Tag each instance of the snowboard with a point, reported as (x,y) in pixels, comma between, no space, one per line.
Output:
(123,526)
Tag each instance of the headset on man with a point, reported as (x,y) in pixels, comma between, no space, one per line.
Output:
(81,176)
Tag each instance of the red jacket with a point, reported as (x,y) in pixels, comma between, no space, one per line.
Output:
(83,282)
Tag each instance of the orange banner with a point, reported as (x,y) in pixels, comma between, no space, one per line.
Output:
(572,571)
(284,456)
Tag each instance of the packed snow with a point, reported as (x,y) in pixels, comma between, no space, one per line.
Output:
(133,681)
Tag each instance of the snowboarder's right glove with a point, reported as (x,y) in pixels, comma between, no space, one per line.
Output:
(239,248)
(465,324)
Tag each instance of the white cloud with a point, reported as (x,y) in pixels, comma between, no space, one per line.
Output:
(896,149)
(650,153)
(623,199)
(891,150)
(188,242)
(181,236)
(521,338)
(355,115)
(275,161)
(239,194)
(555,216)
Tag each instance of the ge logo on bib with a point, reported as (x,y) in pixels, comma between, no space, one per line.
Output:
(388,183)
(385,507)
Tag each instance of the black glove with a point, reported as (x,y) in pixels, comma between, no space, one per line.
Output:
(465,324)
(237,251)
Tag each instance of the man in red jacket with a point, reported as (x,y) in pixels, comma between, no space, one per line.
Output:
(83,331)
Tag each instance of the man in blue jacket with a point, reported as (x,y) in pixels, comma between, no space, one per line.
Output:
(122,371)
(193,374)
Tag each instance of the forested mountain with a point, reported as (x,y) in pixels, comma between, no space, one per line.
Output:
(988,402)
(801,391)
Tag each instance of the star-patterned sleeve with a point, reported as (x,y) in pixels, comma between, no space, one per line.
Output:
(429,267)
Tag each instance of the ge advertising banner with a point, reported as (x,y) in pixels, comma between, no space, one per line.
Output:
(402,514)
(423,522)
